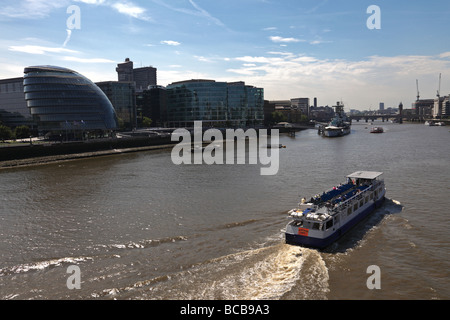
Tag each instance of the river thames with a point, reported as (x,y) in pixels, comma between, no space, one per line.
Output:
(140,227)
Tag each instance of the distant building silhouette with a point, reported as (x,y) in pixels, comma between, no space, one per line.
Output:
(143,77)
(13,107)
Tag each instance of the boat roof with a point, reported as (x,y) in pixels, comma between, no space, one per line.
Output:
(365,175)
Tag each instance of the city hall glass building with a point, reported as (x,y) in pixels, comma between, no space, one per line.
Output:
(216,104)
(61,100)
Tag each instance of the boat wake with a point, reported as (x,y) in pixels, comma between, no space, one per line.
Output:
(275,272)
(42,265)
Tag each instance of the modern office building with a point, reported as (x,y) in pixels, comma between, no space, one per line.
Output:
(63,101)
(152,103)
(122,95)
(301,104)
(446,106)
(13,107)
(216,104)
(437,107)
(144,77)
(423,108)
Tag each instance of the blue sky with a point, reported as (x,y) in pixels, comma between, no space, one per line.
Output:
(291,48)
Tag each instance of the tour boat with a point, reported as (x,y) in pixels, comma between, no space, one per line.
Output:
(323,219)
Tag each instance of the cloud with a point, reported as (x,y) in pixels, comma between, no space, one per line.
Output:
(360,83)
(87,60)
(246,72)
(206,14)
(203,59)
(198,12)
(40,49)
(259,59)
(39,9)
(285,40)
(319,42)
(32,9)
(171,43)
(97,2)
(315,8)
(131,10)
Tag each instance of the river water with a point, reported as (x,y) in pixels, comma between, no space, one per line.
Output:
(139,227)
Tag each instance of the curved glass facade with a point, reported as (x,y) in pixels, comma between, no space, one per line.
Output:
(60,99)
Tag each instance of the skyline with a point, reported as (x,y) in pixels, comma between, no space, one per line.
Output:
(290,48)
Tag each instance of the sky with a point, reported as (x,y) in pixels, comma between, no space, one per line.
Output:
(335,50)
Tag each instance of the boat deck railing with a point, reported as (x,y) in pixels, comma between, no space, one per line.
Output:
(357,194)
(338,200)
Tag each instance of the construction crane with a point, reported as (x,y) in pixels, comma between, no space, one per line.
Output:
(417,85)
(439,88)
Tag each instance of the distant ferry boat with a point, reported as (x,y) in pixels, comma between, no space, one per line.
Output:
(339,126)
(319,222)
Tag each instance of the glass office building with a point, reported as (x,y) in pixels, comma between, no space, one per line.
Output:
(122,95)
(13,107)
(216,104)
(62,100)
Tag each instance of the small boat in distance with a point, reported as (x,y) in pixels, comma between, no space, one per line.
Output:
(377,130)
(275,146)
(320,221)
(435,123)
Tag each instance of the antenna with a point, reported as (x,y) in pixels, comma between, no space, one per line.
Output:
(417,85)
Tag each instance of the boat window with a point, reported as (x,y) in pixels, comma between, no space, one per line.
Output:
(367,199)
(361,203)
(298,223)
(316,226)
(329,224)
(355,207)
(349,211)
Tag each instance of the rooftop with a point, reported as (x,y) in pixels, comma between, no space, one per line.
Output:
(365,175)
